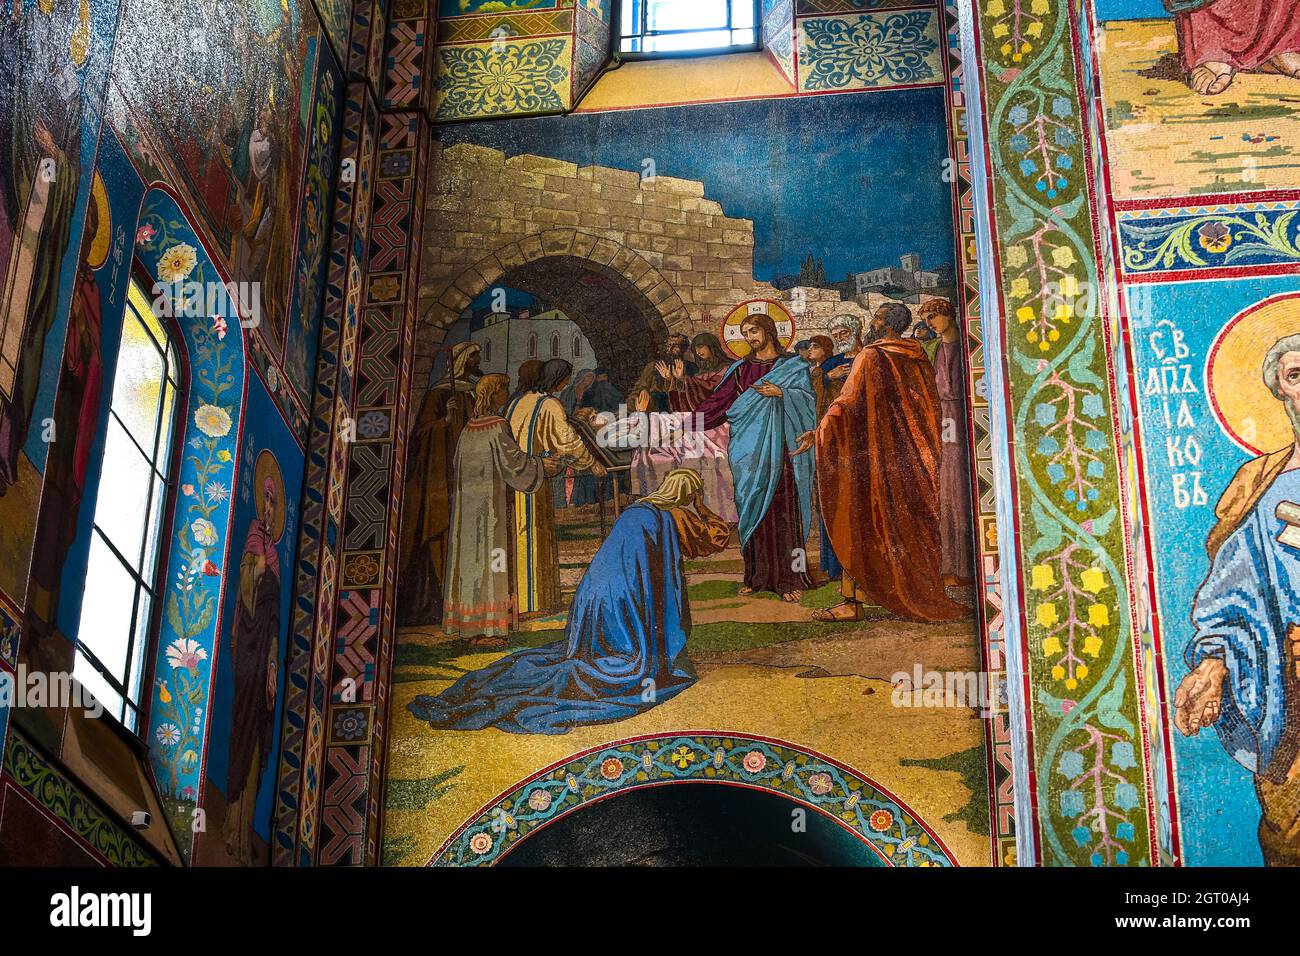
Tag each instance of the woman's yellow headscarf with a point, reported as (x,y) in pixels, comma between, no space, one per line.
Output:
(677,489)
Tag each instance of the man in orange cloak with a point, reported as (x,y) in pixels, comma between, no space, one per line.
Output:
(881,500)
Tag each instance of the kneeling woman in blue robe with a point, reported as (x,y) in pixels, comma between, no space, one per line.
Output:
(624,649)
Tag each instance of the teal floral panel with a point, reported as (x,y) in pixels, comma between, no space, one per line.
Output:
(869,51)
(460,8)
(1210,237)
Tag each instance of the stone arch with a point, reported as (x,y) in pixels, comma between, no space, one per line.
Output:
(623,304)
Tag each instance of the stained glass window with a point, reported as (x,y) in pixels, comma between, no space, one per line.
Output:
(118,604)
(679,26)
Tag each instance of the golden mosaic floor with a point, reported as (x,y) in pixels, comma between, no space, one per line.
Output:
(1164,139)
(823,688)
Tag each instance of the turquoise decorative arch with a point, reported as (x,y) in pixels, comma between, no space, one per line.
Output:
(896,834)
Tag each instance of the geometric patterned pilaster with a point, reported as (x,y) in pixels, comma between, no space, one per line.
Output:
(359,654)
(305,730)
(998,739)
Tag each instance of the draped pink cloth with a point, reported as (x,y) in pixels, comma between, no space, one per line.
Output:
(260,540)
(1245,34)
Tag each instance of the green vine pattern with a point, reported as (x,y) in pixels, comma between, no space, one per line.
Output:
(1090,778)
(57,794)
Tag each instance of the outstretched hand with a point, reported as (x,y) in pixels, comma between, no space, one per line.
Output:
(768,390)
(806,442)
(1198,702)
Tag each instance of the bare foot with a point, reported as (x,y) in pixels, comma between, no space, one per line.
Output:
(1288,64)
(746,590)
(488,642)
(792,597)
(848,611)
(1211,79)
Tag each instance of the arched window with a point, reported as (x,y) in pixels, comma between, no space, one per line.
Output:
(577,346)
(555,345)
(487,351)
(532,345)
(119,604)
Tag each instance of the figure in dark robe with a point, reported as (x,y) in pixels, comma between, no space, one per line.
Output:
(76,421)
(657,378)
(880,497)
(956,514)
(822,358)
(1219,38)
(572,488)
(768,401)
(254,664)
(43,48)
(603,397)
(846,334)
(426,505)
(624,647)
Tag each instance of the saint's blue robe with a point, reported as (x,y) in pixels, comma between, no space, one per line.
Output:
(1241,614)
(624,649)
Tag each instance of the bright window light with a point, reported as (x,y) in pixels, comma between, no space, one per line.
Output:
(675,26)
(118,604)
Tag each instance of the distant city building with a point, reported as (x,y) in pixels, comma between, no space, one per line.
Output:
(908,276)
(508,339)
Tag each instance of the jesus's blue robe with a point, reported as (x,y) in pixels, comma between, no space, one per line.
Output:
(624,649)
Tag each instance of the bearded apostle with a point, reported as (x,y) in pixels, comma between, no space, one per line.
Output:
(490,469)
(879,445)
(1219,38)
(955,510)
(767,399)
(426,516)
(541,428)
(1244,656)
(846,334)
(624,646)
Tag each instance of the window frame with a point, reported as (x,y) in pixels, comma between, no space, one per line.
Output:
(620,54)
(139,275)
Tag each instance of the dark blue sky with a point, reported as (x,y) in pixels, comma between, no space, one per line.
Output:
(856,179)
